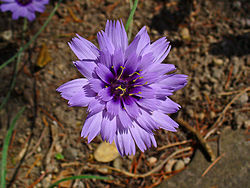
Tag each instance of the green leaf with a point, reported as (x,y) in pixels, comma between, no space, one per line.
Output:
(5,148)
(59,156)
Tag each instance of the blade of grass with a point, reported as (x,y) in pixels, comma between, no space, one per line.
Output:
(131,15)
(33,38)
(5,148)
(13,81)
(79,177)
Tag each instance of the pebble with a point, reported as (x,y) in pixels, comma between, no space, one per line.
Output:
(179,165)
(58,148)
(7,35)
(185,35)
(152,160)
(46,181)
(241,120)
(106,152)
(186,160)
(78,184)
(70,153)
(218,62)
(243,99)
(118,163)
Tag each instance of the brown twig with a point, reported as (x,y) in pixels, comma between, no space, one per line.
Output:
(220,119)
(199,137)
(51,117)
(211,165)
(149,173)
(173,144)
(229,76)
(38,180)
(37,144)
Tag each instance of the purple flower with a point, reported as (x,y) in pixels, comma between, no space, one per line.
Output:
(23,8)
(126,87)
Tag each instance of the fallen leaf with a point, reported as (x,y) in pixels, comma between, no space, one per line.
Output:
(44,57)
(64,174)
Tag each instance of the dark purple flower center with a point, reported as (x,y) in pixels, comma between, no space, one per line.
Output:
(123,84)
(24,2)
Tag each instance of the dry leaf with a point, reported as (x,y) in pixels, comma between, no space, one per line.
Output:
(44,57)
(64,174)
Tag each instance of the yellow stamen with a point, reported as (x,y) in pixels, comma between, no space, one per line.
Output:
(140,85)
(121,72)
(123,90)
(134,93)
(137,78)
(134,74)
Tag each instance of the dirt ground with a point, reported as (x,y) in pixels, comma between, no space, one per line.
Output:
(210,43)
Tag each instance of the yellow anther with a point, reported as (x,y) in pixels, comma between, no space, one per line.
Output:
(121,72)
(135,73)
(137,78)
(134,93)
(123,90)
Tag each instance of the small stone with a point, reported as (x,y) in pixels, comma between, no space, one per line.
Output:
(243,99)
(185,34)
(179,165)
(169,165)
(78,184)
(218,62)
(70,153)
(47,181)
(212,114)
(58,148)
(39,149)
(106,152)
(7,35)
(186,160)
(247,124)
(103,170)
(241,120)
(152,160)
(190,112)
(201,116)
(118,163)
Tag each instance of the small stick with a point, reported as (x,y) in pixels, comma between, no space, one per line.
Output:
(32,166)
(229,76)
(220,119)
(138,162)
(37,144)
(173,144)
(51,117)
(149,173)
(199,137)
(211,165)
(38,180)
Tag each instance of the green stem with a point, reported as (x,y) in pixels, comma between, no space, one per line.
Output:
(131,24)
(131,15)
(13,82)
(33,38)
(5,148)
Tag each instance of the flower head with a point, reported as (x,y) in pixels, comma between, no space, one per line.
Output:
(126,87)
(23,8)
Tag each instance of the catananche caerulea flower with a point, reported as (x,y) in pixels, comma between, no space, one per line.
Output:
(23,8)
(126,87)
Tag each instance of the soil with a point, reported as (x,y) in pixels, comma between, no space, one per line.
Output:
(210,43)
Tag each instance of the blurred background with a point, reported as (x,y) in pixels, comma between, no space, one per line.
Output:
(210,43)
